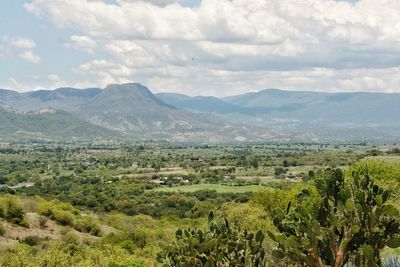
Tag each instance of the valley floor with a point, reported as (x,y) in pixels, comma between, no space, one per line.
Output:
(108,205)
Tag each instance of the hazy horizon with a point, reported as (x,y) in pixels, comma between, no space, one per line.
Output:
(199,95)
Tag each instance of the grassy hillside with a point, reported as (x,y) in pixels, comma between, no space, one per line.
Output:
(52,124)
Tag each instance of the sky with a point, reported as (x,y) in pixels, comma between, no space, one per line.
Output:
(201,47)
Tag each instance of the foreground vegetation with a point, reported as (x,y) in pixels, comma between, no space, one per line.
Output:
(181,205)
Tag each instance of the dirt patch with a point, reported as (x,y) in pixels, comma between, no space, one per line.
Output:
(14,233)
(51,230)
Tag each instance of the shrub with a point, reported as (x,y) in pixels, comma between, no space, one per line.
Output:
(31,240)
(70,238)
(128,245)
(12,211)
(45,209)
(3,209)
(62,213)
(88,225)
(134,264)
(2,229)
(63,217)
(71,243)
(42,222)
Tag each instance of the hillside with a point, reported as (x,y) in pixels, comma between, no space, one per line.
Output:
(68,99)
(202,104)
(330,116)
(133,111)
(316,108)
(49,124)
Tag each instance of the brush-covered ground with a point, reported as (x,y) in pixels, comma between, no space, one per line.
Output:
(121,205)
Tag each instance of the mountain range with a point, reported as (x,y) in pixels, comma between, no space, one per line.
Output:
(133,112)
(130,111)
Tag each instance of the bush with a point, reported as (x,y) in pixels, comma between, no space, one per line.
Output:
(2,229)
(63,217)
(134,264)
(88,225)
(42,222)
(60,212)
(46,208)
(3,209)
(31,240)
(12,211)
(70,238)
(128,245)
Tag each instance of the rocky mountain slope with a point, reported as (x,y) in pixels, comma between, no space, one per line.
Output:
(341,116)
(132,111)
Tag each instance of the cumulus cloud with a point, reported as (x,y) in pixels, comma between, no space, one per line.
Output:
(224,83)
(12,46)
(56,81)
(30,56)
(53,77)
(84,43)
(155,2)
(223,45)
(23,43)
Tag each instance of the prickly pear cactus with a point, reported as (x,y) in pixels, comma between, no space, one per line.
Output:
(220,245)
(344,222)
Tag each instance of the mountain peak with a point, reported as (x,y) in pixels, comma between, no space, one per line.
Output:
(126,86)
(129,89)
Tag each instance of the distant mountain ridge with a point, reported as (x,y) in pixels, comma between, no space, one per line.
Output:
(132,112)
(303,109)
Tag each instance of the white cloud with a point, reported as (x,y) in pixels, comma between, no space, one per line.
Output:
(22,43)
(223,83)
(95,66)
(84,43)
(53,77)
(53,81)
(30,56)
(11,46)
(155,2)
(225,46)
(56,81)
(306,31)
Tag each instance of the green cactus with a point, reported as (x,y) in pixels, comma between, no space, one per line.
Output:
(344,222)
(220,245)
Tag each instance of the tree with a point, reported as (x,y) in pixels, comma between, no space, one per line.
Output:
(254,163)
(279,170)
(12,211)
(344,222)
(220,245)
